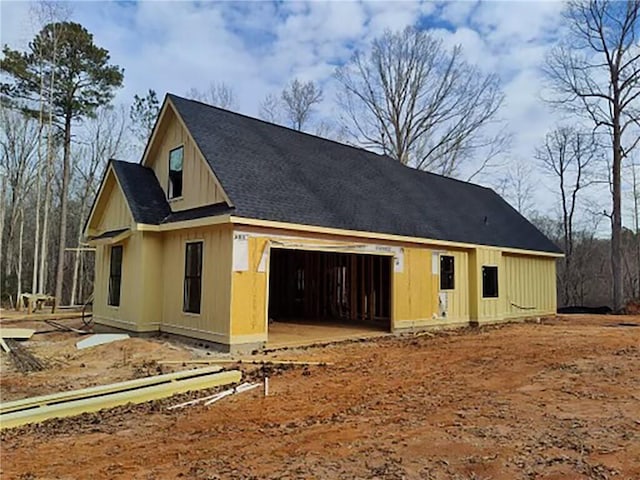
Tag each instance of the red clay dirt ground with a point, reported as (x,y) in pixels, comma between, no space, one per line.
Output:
(555,400)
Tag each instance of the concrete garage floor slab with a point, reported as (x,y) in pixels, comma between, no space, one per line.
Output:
(299,334)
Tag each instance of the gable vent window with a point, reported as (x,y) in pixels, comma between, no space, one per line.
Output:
(489,282)
(447,281)
(115,276)
(193,277)
(176,157)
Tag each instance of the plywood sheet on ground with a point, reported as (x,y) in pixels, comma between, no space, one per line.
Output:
(100,339)
(16,333)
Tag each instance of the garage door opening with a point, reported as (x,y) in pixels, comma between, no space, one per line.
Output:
(337,291)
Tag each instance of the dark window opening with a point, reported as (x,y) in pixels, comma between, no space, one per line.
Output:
(193,277)
(489,282)
(447,281)
(115,276)
(176,157)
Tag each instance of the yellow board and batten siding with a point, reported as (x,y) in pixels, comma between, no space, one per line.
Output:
(526,286)
(458,298)
(531,286)
(111,211)
(199,185)
(212,323)
(485,309)
(127,315)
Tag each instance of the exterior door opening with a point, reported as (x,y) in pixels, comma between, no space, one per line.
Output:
(311,286)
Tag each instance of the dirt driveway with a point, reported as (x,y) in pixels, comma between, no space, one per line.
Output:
(556,400)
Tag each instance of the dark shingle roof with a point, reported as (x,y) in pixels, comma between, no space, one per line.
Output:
(275,173)
(148,201)
(199,212)
(143,192)
(110,234)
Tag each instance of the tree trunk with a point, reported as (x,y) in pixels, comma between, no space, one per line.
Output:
(76,261)
(81,282)
(74,282)
(36,239)
(10,241)
(19,282)
(3,187)
(45,227)
(616,220)
(636,230)
(63,207)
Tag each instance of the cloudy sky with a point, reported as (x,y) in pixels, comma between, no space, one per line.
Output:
(257,47)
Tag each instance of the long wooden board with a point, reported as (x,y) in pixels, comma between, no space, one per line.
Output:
(43,400)
(96,403)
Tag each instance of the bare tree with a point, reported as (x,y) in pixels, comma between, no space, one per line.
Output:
(18,161)
(294,107)
(595,72)
(271,109)
(218,94)
(18,148)
(568,155)
(3,208)
(423,105)
(517,187)
(298,100)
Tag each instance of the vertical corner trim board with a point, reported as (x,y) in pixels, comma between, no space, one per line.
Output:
(241,249)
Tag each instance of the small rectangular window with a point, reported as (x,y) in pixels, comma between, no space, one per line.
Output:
(193,277)
(447,281)
(489,282)
(115,276)
(176,157)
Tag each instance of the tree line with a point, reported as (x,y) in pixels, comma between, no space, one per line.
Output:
(406,95)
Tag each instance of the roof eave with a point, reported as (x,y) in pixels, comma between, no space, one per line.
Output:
(237,220)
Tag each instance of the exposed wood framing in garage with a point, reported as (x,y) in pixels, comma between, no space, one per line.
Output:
(315,285)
